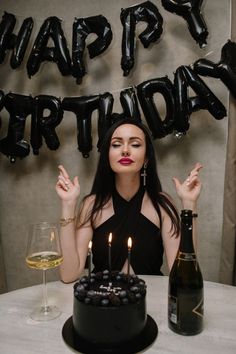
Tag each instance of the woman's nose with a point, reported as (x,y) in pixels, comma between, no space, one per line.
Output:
(125,152)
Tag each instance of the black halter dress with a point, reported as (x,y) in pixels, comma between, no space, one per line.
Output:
(127,221)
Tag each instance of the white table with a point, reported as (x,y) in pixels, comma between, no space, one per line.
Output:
(21,335)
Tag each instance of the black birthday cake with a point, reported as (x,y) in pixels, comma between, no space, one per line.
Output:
(109,308)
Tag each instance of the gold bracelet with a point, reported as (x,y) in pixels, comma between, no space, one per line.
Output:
(66,221)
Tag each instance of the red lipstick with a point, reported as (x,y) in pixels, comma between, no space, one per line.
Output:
(125,161)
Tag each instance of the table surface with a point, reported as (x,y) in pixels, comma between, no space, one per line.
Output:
(21,335)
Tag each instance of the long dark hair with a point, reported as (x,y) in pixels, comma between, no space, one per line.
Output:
(104,181)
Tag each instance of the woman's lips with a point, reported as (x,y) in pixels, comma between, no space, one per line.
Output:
(125,161)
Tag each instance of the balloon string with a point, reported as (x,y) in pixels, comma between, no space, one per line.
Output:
(209,53)
(124,88)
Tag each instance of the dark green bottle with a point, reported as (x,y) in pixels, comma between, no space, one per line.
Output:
(185,293)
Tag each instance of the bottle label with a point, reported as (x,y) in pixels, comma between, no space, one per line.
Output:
(199,309)
(185,256)
(188,257)
(184,314)
(173,317)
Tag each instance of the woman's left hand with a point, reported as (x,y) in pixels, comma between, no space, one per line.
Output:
(190,189)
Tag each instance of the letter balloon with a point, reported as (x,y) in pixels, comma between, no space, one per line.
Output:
(225,69)
(14,145)
(185,105)
(182,112)
(44,125)
(18,43)
(146,90)
(6,27)
(106,101)
(129,103)
(82,27)
(190,10)
(129,17)
(51,28)
(211,102)
(83,107)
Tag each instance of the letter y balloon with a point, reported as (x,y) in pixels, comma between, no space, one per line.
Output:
(190,11)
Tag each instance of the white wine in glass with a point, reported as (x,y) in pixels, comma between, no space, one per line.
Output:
(44,252)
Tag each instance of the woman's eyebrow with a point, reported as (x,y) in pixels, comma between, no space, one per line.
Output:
(130,138)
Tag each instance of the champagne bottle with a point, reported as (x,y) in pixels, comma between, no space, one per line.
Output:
(185,293)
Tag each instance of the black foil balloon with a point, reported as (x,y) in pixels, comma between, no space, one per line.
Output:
(190,10)
(6,28)
(82,27)
(20,42)
(44,125)
(129,103)
(185,105)
(106,101)
(127,46)
(83,108)
(19,107)
(148,12)
(146,90)
(51,28)
(225,69)
(17,43)
(196,103)
(182,112)
(210,101)
(129,17)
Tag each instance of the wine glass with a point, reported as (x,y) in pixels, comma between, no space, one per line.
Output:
(44,252)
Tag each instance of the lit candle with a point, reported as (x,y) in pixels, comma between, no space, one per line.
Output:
(109,253)
(129,253)
(89,258)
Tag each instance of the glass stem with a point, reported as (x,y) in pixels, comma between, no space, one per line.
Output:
(45,295)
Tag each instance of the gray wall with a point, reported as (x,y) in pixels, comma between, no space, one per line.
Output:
(27,187)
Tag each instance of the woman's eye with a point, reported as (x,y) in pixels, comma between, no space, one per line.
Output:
(136,145)
(115,145)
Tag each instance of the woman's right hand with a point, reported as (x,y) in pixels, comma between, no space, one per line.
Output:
(67,190)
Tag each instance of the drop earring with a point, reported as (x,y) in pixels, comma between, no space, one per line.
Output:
(144,174)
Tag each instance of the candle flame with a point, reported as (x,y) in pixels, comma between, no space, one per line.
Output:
(90,245)
(129,243)
(110,237)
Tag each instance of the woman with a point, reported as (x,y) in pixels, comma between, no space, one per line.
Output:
(126,200)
